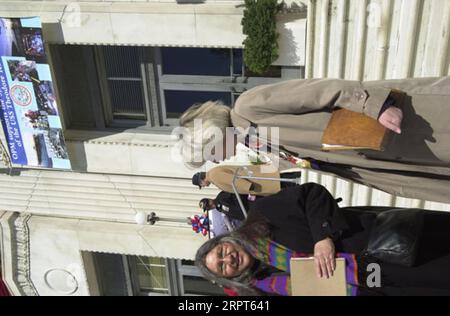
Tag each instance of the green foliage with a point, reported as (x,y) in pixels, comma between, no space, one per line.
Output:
(259,24)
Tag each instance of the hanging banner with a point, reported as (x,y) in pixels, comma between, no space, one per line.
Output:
(28,108)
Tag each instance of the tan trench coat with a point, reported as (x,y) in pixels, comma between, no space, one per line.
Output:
(415,164)
(222,177)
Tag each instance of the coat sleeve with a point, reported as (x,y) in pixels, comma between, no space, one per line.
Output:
(323,215)
(311,95)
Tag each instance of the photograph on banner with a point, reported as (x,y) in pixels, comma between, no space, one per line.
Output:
(29,111)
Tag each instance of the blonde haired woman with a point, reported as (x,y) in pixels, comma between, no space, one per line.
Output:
(213,118)
(415,164)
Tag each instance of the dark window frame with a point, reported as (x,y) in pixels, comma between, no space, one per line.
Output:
(154,85)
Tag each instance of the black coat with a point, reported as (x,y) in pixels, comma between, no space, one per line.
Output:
(301,216)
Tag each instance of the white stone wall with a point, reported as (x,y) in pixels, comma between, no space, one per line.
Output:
(378,39)
(107,197)
(55,258)
(134,23)
(50,261)
(133,153)
(154,23)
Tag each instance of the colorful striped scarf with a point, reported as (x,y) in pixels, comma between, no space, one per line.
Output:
(273,254)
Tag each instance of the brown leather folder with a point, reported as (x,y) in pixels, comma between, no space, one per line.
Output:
(352,130)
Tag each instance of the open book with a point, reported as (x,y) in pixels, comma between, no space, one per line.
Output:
(352,130)
(305,282)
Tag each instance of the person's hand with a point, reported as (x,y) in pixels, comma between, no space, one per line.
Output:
(392,119)
(324,257)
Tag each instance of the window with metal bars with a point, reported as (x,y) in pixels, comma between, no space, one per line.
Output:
(120,68)
(102,87)
(162,276)
(152,275)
